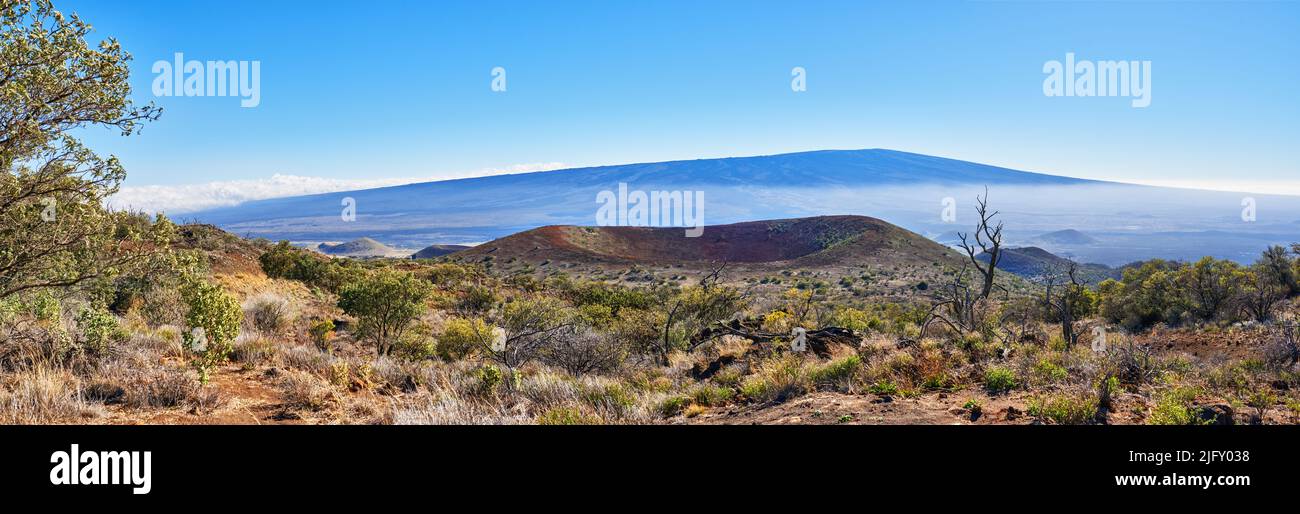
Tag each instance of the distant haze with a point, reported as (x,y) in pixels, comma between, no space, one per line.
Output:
(1120,222)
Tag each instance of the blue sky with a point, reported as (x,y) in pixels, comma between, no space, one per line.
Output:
(381,90)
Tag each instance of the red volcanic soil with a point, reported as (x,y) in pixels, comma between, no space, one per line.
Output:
(825,240)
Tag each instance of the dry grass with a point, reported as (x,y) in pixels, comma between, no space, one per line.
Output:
(255,350)
(269,313)
(308,392)
(43,396)
(161,388)
(453,410)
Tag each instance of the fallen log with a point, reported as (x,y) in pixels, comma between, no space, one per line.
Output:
(820,341)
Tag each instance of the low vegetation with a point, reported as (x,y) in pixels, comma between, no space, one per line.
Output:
(114,317)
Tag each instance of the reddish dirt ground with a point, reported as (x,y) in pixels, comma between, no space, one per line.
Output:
(249,397)
(827,408)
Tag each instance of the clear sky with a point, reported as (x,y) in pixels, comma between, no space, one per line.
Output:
(353,92)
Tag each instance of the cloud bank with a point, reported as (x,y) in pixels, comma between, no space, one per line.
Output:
(1261,187)
(181,199)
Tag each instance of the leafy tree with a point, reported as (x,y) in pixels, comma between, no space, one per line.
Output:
(285,261)
(385,303)
(1277,265)
(1146,295)
(54,230)
(1261,292)
(153,285)
(1212,285)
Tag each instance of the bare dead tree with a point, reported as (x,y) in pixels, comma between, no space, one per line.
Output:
(956,304)
(1291,342)
(806,306)
(714,276)
(528,326)
(1018,322)
(583,351)
(1063,303)
(987,240)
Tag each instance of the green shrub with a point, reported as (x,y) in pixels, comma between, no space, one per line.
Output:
(254,350)
(614,297)
(1261,400)
(285,261)
(837,372)
(449,275)
(712,396)
(999,380)
(596,315)
(1065,408)
(883,388)
(729,377)
(385,303)
(99,330)
(756,389)
(639,329)
(855,319)
(1049,372)
(673,406)
(478,299)
(566,416)
(213,323)
(46,308)
(322,334)
(777,380)
(1175,407)
(462,338)
(610,397)
(937,382)
(416,344)
(489,378)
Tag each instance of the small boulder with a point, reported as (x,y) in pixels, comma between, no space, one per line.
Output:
(1215,414)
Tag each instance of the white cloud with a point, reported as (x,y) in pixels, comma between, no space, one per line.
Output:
(180,199)
(1278,187)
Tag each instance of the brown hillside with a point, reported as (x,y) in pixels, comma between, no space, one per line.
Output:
(800,242)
